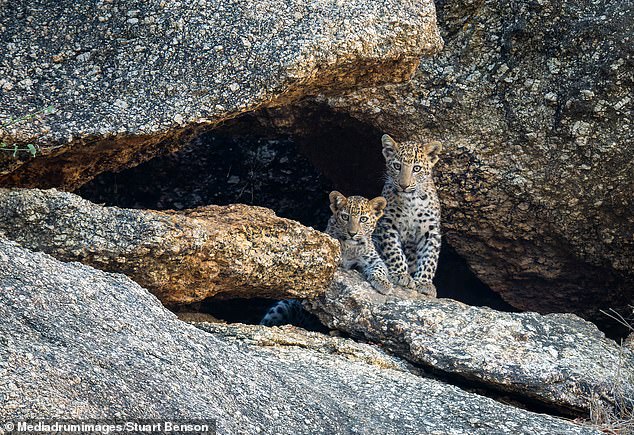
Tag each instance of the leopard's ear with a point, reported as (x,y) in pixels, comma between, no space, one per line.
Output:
(337,200)
(378,205)
(389,146)
(432,150)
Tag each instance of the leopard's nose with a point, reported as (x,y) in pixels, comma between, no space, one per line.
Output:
(353,233)
(404,186)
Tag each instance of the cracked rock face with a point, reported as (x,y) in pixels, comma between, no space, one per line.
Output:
(73,339)
(533,103)
(128,79)
(278,339)
(182,257)
(559,360)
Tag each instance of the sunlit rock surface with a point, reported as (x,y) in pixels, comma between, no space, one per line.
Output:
(80,343)
(131,79)
(559,360)
(182,257)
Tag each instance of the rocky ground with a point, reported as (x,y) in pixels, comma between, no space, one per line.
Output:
(532,101)
(106,347)
(557,359)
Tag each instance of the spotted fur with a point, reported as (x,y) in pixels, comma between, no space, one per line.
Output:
(290,312)
(352,222)
(408,235)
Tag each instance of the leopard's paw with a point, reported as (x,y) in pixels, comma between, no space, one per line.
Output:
(426,287)
(383,286)
(405,280)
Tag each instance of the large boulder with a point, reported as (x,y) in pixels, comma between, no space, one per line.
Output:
(559,360)
(533,103)
(129,79)
(77,343)
(182,257)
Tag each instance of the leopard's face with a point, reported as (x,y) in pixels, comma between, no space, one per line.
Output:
(409,164)
(355,217)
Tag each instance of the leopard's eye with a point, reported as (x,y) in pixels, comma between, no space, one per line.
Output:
(397,166)
(417,168)
(345,216)
(363,219)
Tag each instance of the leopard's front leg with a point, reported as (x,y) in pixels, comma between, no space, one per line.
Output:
(375,271)
(427,253)
(389,244)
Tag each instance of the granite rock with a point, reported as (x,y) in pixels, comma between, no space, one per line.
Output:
(235,251)
(81,343)
(132,79)
(559,360)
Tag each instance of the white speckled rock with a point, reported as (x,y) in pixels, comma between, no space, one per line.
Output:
(557,359)
(80,343)
(126,87)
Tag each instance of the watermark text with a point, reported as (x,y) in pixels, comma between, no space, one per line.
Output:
(106,427)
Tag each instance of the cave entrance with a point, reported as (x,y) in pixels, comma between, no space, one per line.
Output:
(287,160)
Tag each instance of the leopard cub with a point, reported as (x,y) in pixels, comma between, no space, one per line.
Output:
(408,235)
(352,223)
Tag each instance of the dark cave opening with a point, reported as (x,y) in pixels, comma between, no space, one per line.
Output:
(287,160)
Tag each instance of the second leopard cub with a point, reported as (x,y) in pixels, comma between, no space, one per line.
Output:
(408,236)
(352,223)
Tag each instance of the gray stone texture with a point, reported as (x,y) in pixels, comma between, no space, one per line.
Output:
(559,360)
(533,103)
(81,343)
(130,78)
